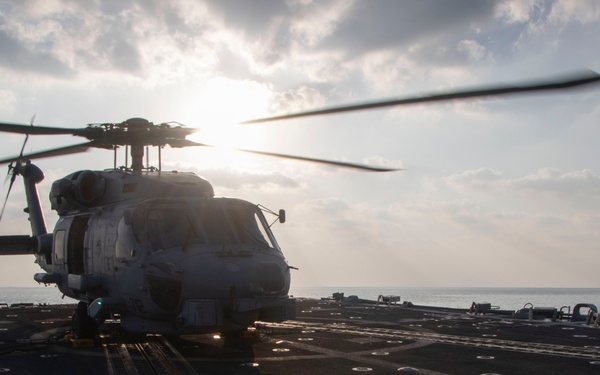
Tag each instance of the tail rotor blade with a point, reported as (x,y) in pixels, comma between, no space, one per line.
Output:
(13,175)
(12,181)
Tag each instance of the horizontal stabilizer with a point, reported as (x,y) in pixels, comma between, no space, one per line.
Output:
(18,245)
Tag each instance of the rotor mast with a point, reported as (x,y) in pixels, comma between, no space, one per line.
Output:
(137,158)
(136,134)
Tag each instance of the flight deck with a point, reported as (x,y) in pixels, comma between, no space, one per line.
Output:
(328,337)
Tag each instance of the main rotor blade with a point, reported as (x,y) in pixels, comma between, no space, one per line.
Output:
(73,149)
(37,130)
(302,158)
(563,82)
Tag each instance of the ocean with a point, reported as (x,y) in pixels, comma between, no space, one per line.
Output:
(504,298)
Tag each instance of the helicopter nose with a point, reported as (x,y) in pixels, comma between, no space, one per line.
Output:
(272,279)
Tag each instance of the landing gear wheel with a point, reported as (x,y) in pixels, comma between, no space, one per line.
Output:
(83,326)
(236,334)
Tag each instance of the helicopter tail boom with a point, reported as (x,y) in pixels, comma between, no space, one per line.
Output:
(18,245)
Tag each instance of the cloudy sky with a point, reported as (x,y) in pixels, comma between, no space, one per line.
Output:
(496,192)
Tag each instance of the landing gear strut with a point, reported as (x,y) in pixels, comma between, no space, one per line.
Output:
(83,325)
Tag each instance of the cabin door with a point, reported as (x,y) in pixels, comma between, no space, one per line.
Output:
(76,245)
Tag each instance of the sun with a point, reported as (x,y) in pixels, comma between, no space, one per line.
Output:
(217,109)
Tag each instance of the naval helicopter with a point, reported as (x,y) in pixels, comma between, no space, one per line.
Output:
(156,248)
(159,251)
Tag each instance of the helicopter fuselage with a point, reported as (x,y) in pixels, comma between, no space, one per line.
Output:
(159,250)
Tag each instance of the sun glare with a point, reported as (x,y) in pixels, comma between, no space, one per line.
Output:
(217,110)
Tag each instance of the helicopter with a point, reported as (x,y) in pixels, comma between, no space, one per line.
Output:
(158,249)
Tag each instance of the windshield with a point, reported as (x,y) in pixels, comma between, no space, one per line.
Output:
(208,224)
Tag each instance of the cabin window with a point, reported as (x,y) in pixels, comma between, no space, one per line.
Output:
(59,247)
(127,243)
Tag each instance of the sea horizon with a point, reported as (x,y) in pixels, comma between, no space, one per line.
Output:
(506,298)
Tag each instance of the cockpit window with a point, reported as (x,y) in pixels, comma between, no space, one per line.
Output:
(207,224)
(247,227)
(171,227)
(217,227)
(234,225)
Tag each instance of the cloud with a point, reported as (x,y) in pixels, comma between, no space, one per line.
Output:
(8,100)
(515,11)
(546,180)
(581,183)
(374,25)
(235,179)
(552,21)
(296,100)
(325,206)
(473,50)
(581,11)
(388,70)
(364,238)
(130,39)
(309,30)
(483,178)
(22,58)
(377,46)
(253,17)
